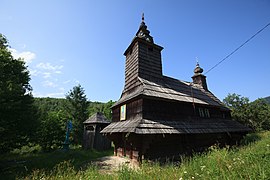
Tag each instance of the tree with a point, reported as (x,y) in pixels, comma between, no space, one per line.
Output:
(105,108)
(17,112)
(51,133)
(254,114)
(259,114)
(239,106)
(78,111)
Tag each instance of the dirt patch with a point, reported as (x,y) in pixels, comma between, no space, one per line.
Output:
(109,164)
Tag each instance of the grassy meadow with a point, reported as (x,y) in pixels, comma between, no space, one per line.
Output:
(249,161)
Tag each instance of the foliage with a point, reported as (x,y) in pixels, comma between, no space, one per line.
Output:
(78,111)
(255,114)
(46,105)
(247,162)
(239,107)
(29,148)
(51,133)
(52,116)
(17,113)
(259,114)
(267,99)
(105,108)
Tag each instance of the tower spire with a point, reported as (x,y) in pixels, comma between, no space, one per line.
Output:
(143,32)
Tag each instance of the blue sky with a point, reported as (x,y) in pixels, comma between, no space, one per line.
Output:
(66,42)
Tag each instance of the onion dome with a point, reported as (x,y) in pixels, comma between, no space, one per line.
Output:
(198,69)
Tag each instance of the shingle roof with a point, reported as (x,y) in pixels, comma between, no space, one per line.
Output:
(186,126)
(176,90)
(97,118)
(173,89)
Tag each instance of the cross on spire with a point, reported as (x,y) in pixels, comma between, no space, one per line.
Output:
(142,17)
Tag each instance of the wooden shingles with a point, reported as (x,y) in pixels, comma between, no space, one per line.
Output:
(172,89)
(144,126)
(97,118)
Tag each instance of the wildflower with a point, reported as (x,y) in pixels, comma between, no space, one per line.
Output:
(180,178)
(202,167)
(192,177)
(185,172)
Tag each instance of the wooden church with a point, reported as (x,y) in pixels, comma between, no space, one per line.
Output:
(162,117)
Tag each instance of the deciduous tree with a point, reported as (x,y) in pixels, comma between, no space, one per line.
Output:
(254,114)
(17,112)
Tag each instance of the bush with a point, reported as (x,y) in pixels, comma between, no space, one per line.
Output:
(28,149)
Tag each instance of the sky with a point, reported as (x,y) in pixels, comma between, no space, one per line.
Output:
(66,42)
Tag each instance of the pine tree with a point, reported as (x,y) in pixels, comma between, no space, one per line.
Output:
(78,111)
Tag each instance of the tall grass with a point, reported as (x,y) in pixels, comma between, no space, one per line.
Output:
(41,164)
(250,161)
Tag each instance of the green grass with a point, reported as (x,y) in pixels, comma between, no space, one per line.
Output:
(250,161)
(20,165)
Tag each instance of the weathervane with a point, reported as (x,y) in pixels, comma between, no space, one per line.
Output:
(142,17)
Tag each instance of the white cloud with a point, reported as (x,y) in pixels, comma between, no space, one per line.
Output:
(56,95)
(47,69)
(48,66)
(34,72)
(62,89)
(49,84)
(47,75)
(66,82)
(73,81)
(60,93)
(27,56)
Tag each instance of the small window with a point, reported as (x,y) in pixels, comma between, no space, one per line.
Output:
(206,112)
(90,128)
(123,112)
(201,113)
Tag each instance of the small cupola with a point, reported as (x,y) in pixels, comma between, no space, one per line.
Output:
(143,32)
(198,77)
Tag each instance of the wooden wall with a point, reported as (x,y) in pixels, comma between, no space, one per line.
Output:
(133,110)
(93,139)
(163,147)
(143,59)
(167,110)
